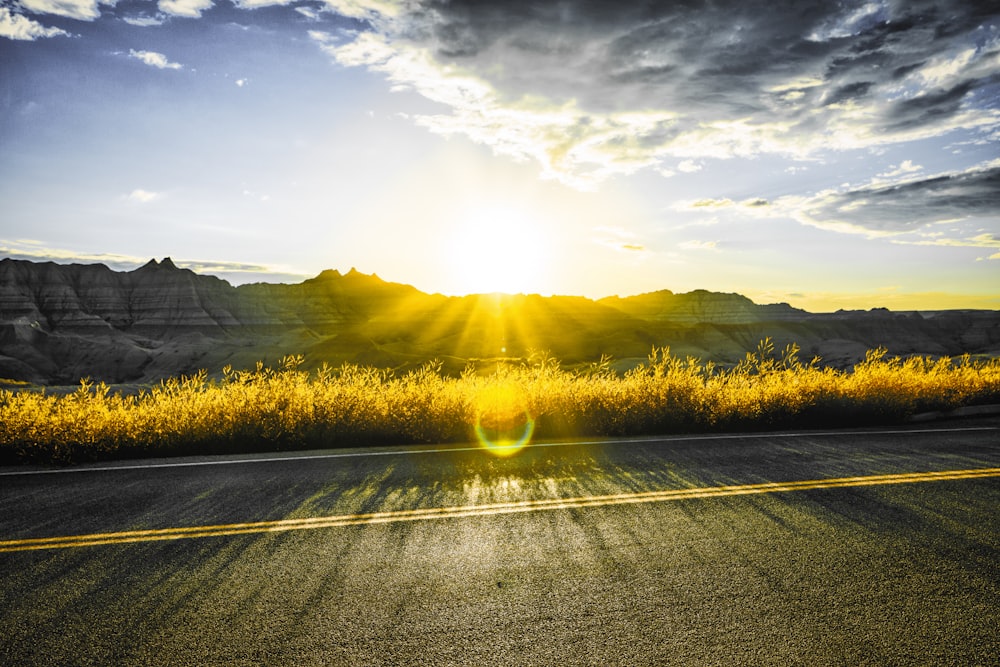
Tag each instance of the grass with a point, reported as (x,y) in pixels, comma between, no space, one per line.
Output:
(284,407)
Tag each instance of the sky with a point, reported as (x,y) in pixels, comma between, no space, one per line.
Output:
(825,154)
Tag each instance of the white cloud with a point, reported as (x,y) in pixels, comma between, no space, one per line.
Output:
(365,9)
(241,82)
(619,239)
(943,71)
(39,251)
(358,9)
(689,166)
(257,4)
(756,206)
(979,241)
(699,245)
(593,91)
(905,167)
(575,147)
(852,24)
(912,209)
(308,12)
(15,26)
(703,204)
(82,10)
(143,196)
(186,8)
(145,21)
(154,59)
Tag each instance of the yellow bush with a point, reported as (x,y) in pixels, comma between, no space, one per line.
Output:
(286,407)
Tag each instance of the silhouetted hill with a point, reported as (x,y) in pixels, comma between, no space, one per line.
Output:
(702,306)
(59,323)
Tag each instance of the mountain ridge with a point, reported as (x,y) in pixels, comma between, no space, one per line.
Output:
(61,322)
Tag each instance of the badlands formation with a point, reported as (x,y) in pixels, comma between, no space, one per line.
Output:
(59,323)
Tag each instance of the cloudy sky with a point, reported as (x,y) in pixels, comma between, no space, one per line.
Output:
(827,154)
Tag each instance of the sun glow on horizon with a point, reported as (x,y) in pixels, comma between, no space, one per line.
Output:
(497,249)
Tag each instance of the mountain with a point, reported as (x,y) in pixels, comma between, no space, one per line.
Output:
(702,306)
(59,323)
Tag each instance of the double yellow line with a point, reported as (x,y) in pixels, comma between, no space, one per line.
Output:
(124,537)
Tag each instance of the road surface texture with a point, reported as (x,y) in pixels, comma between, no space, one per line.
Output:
(811,548)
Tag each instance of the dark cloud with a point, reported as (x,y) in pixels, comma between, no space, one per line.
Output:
(711,59)
(589,89)
(903,70)
(849,92)
(928,107)
(910,205)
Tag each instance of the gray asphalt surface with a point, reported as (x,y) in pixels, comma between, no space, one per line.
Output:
(888,574)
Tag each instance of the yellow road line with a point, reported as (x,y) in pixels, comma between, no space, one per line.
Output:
(396,516)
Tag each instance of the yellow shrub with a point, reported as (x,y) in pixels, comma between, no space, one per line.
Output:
(286,407)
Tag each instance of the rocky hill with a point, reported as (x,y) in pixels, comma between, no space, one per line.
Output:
(59,323)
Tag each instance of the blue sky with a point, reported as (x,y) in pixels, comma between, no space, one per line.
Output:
(831,155)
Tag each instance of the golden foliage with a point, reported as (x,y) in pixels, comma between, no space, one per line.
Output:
(285,407)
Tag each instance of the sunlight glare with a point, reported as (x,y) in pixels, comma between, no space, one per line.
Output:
(498,249)
(504,425)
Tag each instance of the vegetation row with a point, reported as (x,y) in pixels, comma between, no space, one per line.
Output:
(284,407)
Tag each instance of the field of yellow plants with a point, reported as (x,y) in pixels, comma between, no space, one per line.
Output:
(502,406)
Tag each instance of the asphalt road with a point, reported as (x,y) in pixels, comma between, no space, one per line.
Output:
(817,548)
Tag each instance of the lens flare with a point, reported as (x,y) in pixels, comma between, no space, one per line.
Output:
(504,424)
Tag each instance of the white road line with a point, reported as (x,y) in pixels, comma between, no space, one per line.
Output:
(649,440)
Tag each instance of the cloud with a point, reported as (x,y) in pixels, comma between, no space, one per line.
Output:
(89,10)
(38,251)
(257,4)
(143,196)
(82,10)
(986,240)
(205,266)
(590,89)
(618,238)
(689,167)
(357,9)
(154,59)
(709,204)
(374,10)
(956,209)
(309,13)
(905,167)
(907,205)
(15,26)
(145,21)
(699,245)
(185,8)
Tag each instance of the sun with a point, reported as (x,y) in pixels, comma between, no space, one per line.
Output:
(498,249)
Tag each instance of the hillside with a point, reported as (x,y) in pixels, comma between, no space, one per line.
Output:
(59,323)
